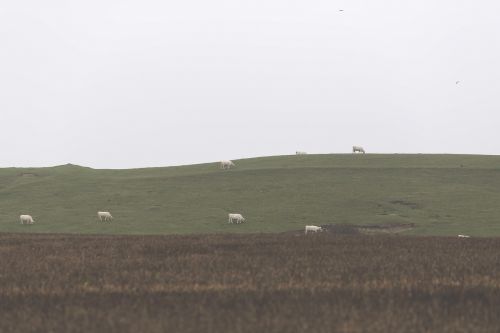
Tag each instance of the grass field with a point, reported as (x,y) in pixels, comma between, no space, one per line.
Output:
(440,194)
(248,283)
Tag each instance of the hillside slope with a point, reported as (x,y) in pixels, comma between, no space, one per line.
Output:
(441,194)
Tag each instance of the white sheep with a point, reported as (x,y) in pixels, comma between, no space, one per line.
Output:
(312,228)
(26,219)
(106,216)
(236,217)
(358,149)
(226,164)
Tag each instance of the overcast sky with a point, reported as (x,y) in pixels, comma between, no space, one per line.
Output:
(129,83)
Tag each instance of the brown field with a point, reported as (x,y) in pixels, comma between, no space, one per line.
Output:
(248,283)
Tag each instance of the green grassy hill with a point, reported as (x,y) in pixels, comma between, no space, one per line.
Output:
(441,194)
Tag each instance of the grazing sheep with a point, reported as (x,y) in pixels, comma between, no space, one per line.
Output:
(106,216)
(26,219)
(357,149)
(226,164)
(236,217)
(312,228)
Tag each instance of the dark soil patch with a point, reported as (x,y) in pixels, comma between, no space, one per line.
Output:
(348,229)
(412,205)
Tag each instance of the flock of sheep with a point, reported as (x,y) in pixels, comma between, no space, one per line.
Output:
(355,149)
(102,216)
(238,218)
(233,217)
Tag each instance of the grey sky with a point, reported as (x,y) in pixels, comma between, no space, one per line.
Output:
(117,83)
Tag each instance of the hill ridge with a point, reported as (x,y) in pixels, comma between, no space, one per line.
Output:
(449,194)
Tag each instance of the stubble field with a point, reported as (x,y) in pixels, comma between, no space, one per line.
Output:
(248,283)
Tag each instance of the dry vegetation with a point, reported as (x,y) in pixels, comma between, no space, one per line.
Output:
(248,283)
